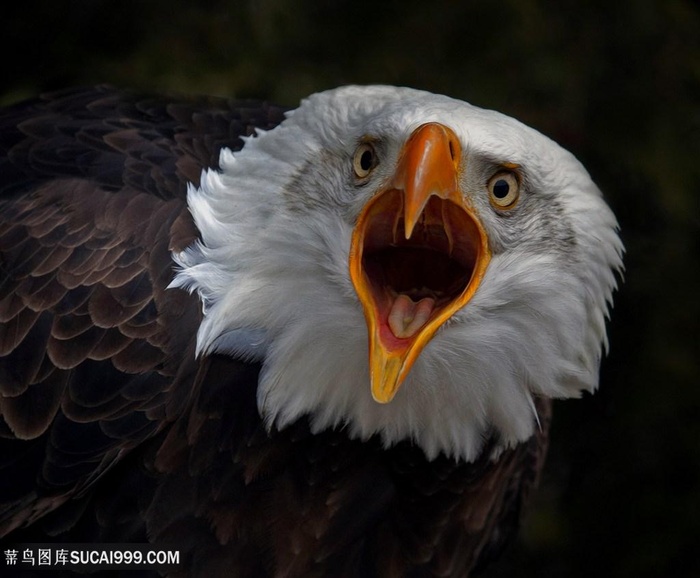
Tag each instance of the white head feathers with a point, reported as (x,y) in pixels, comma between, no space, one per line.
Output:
(272,273)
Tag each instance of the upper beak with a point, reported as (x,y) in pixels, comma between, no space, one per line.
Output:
(418,254)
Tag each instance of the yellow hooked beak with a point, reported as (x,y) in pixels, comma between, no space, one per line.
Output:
(418,254)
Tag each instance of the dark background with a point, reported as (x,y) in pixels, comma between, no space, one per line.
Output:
(618,83)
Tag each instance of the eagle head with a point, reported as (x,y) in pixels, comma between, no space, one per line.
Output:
(406,265)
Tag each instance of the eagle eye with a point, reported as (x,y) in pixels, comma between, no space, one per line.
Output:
(364,161)
(504,189)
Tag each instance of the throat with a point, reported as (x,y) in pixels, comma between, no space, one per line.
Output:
(411,286)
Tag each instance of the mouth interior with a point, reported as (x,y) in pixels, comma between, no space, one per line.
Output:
(437,262)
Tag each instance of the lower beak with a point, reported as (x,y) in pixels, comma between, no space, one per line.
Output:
(418,254)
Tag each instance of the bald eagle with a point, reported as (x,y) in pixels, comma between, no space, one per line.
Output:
(319,342)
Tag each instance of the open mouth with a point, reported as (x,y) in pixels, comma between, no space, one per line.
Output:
(411,281)
(418,254)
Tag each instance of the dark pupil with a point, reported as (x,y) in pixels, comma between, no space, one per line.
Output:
(500,189)
(366,160)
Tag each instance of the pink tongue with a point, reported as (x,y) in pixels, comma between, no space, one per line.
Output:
(407,317)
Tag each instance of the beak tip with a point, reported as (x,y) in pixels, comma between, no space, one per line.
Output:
(383,396)
(386,373)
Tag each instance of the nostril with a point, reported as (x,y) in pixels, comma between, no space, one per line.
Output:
(455,149)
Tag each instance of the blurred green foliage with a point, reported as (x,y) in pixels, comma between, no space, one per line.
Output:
(618,83)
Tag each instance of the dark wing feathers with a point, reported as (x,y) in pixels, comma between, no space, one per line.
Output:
(110,431)
(92,200)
